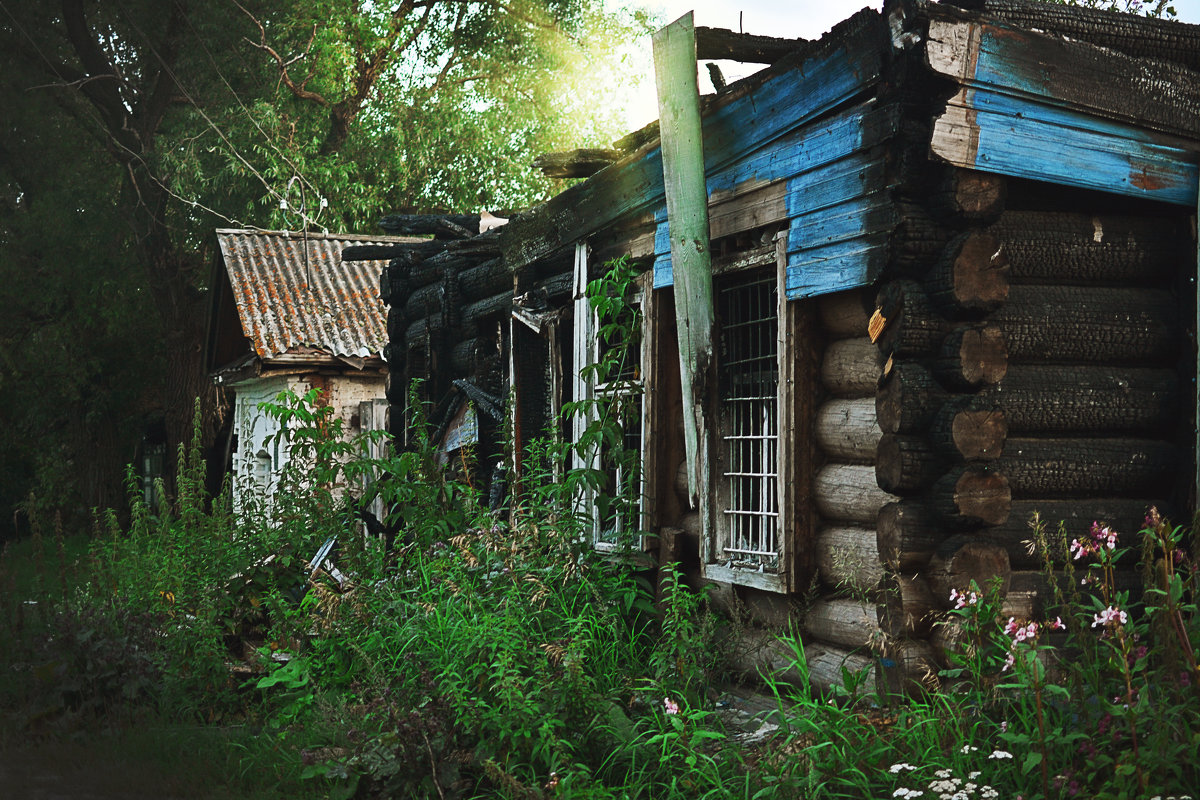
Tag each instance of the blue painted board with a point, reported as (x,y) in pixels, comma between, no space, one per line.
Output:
(825,164)
(836,267)
(1019,137)
(851,219)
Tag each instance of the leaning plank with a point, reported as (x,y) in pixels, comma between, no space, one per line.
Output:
(682,155)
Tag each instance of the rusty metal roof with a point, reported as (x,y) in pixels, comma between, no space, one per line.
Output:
(286,300)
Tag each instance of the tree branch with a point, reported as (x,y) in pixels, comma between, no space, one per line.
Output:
(296,89)
(103,95)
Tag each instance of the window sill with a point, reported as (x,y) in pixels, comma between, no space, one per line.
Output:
(767,581)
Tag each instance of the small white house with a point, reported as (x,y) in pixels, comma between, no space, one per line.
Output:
(287,313)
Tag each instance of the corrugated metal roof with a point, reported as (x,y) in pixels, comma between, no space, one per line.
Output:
(285,300)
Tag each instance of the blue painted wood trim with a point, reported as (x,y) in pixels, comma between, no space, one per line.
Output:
(835,267)
(825,165)
(1025,139)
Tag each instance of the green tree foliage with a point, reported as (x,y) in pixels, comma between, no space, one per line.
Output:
(133,128)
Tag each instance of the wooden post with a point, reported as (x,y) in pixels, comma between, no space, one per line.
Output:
(687,214)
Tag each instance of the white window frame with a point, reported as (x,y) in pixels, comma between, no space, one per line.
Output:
(586,352)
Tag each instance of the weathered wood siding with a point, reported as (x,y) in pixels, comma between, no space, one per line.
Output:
(1039,107)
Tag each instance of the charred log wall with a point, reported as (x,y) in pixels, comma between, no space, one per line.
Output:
(1034,365)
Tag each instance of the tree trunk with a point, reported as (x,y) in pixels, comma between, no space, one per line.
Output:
(909,609)
(850,623)
(848,558)
(844,314)
(972,357)
(971,277)
(965,559)
(1016,535)
(908,399)
(851,367)
(906,535)
(969,195)
(906,464)
(972,495)
(967,430)
(849,493)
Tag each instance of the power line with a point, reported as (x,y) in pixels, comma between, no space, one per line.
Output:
(266,137)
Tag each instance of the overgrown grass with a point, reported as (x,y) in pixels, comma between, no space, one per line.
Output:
(483,654)
(488,656)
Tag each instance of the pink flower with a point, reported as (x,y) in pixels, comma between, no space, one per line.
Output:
(963,599)
(670,706)
(1110,616)
(1057,625)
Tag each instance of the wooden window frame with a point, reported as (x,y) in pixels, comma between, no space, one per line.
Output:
(587,351)
(793,461)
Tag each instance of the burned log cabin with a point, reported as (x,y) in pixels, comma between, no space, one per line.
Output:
(900,289)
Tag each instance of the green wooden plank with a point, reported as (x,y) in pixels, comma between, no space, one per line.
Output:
(687,214)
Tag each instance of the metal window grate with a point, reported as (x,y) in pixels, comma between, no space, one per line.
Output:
(750,422)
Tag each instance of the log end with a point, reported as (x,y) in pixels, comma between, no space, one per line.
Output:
(983,353)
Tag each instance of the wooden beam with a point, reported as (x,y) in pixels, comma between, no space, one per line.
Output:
(718,43)
(687,212)
(1126,33)
(994,132)
(1084,77)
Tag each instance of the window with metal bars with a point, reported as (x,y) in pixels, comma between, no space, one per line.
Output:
(748,489)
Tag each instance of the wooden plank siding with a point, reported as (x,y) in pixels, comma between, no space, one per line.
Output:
(1032,106)
(829,181)
(760,110)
